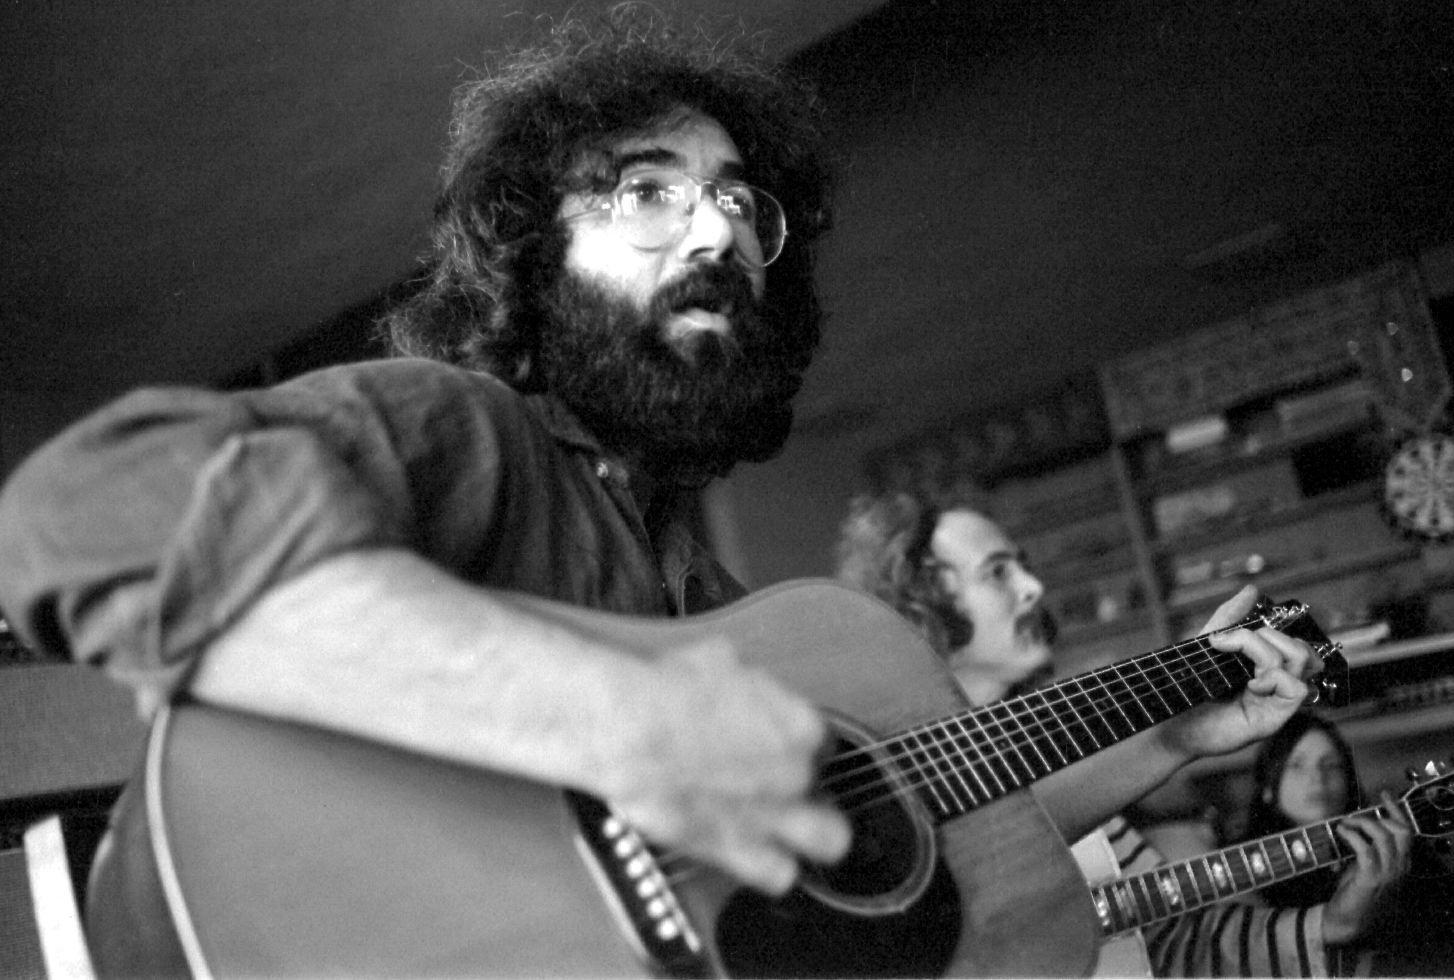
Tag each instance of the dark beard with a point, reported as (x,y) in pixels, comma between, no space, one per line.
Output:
(691,409)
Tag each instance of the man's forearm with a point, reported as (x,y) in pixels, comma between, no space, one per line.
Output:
(384,645)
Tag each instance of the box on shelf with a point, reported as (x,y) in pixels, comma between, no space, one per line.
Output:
(1262,490)
(1105,599)
(1081,542)
(1030,504)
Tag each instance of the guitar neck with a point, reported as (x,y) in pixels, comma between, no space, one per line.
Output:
(1174,889)
(970,759)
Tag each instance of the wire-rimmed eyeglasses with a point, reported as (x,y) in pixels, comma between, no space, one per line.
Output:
(654,207)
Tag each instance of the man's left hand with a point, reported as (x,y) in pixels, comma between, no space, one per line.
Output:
(1277,689)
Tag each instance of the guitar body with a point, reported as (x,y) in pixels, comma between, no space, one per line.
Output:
(290,850)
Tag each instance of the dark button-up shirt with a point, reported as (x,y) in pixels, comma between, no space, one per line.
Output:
(137,535)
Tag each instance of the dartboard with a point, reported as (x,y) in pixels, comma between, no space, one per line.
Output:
(1418,486)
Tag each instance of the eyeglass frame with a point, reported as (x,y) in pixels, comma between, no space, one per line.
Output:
(613,205)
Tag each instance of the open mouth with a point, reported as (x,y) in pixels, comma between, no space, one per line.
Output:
(688,320)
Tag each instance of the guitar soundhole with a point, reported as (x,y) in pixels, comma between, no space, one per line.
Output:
(886,846)
(799,936)
(889,908)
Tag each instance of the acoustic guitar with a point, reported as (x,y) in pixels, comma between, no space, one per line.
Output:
(286,850)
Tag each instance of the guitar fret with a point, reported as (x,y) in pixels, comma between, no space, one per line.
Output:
(969,753)
(1170,889)
(950,753)
(1202,878)
(1217,873)
(1262,864)
(1134,683)
(1282,862)
(1120,696)
(1325,844)
(1011,753)
(1053,732)
(1148,899)
(1070,732)
(1124,905)
(1157,686)
(929,784)
(1242,878)
(1098,732)
(1187,883)
(987,758)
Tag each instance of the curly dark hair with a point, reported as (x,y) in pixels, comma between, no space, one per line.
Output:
(1264,817)
(883,549)
(541,125)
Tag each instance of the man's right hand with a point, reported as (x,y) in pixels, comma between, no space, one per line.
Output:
(722,768)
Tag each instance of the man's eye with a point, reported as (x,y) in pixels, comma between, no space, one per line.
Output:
(649,192)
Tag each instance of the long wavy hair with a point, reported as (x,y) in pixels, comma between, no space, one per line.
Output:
(1265,817)
(884,550)
(541,125)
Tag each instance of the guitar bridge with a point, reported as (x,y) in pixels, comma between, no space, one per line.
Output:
(637,891)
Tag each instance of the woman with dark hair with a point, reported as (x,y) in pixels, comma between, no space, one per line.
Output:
(1303,774)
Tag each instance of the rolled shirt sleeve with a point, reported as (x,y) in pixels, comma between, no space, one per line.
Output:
(136,536)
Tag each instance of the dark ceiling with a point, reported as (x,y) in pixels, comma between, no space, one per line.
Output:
(1033,187)
(1029,187)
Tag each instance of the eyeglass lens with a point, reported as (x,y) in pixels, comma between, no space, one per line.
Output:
(655,207)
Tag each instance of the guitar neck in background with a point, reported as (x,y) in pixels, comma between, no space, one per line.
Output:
(1175,889)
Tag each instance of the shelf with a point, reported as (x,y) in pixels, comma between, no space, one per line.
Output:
(1064,511)
(1365,492)
(1292,578)
(1250,451)
(1398,724)
(1399,650)
(1072,634)
(1069,574)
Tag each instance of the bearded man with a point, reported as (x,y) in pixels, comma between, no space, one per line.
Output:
(620,308)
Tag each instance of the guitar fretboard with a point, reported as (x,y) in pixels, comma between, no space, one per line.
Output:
(1174,889)
(970,759)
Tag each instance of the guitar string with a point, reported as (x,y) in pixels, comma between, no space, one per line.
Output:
(1088,694)
(1200,645)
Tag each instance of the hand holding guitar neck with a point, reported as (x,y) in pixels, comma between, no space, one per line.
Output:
(1292,664)
(1380,844)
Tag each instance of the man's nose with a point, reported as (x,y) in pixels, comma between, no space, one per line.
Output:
(710,234)
(1031,588)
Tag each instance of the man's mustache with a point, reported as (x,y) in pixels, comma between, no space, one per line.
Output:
(1039,624)
(715,288)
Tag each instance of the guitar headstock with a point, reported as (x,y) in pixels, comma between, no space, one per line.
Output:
(1330,685)
(1430,801)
